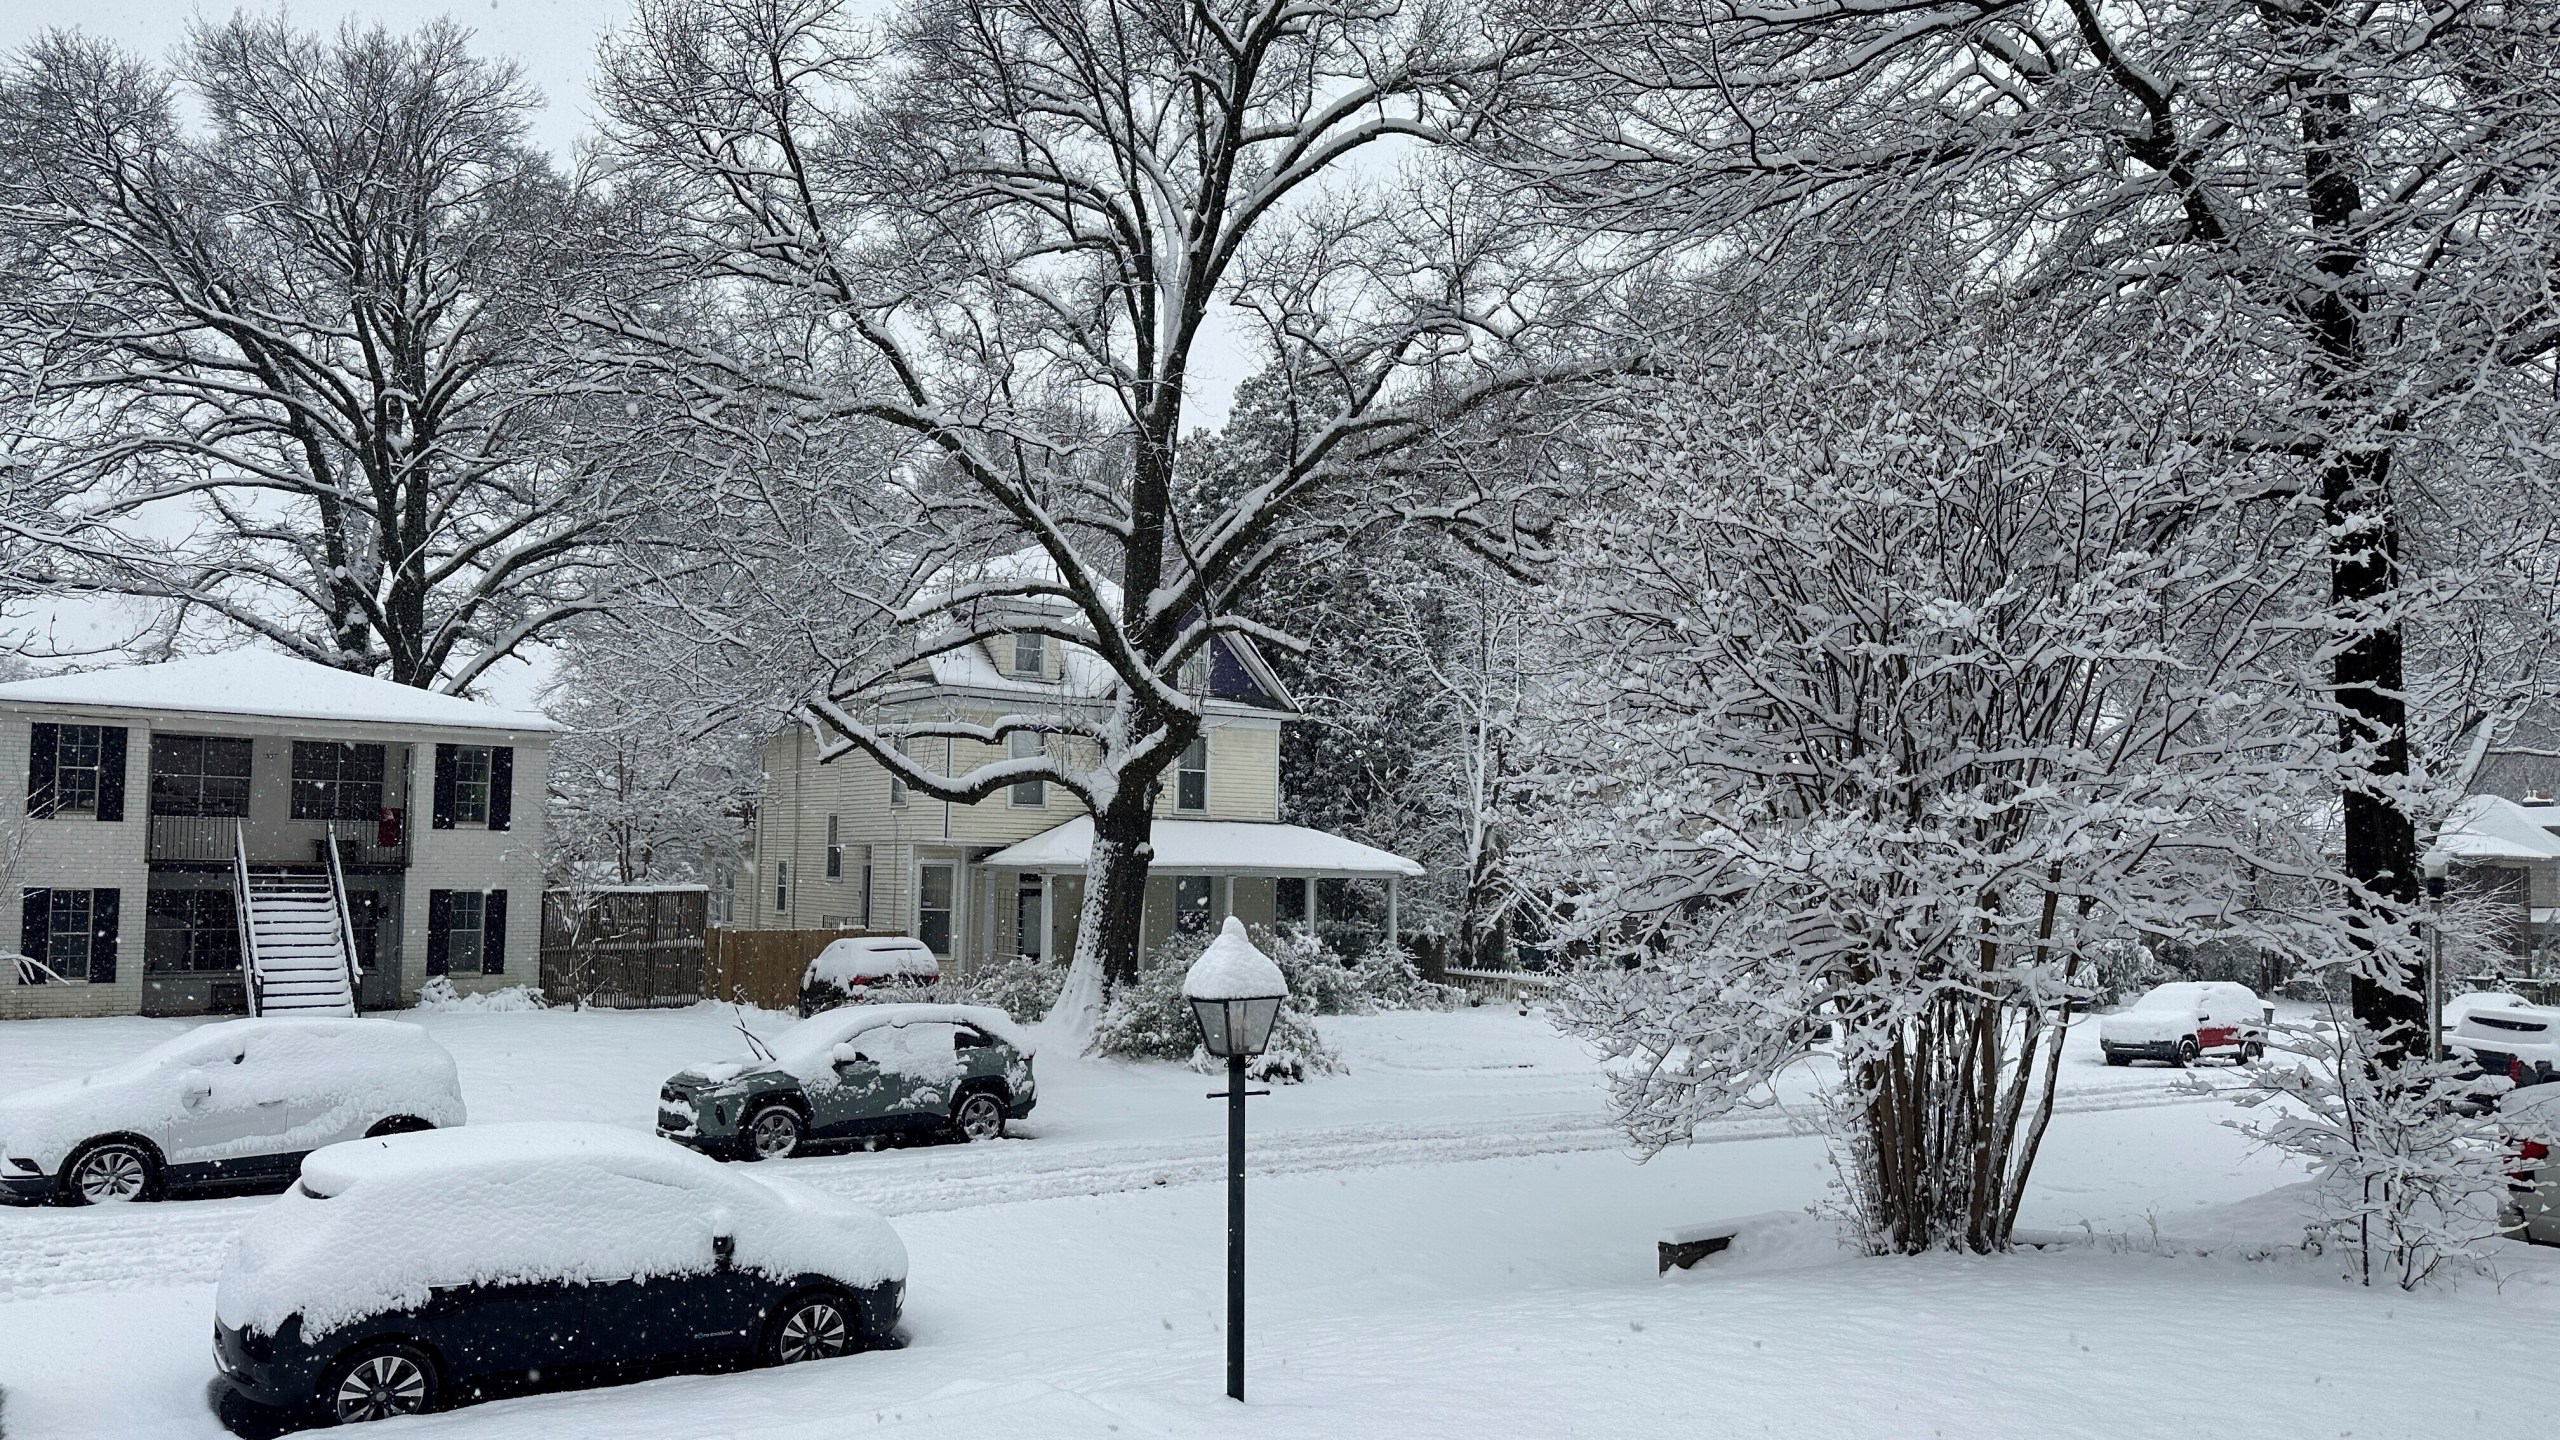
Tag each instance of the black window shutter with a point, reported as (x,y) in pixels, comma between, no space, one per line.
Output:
(111,778)
(502,789)
(442,816)
(493,933)
(103,905)
(41,740)
(439,928)
(35,920)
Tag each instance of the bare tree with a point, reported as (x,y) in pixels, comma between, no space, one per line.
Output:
(296,347)
(1008,230)
(2367,191)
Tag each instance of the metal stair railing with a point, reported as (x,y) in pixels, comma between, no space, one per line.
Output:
(249,974)
(346,921)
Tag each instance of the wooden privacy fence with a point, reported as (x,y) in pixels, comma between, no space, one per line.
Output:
(763,967)
(627,947)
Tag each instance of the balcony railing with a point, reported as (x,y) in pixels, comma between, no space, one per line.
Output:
(208,840)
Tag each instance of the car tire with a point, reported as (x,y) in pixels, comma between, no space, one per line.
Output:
(2119,1059)
(397,1125)
(379,1381)
(110,1172)
(2188,1053)
(2252,1051)
(812,1325)
(979,1116)
(775,1132)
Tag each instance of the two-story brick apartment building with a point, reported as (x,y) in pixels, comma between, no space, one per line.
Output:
(164,805)
(845,844)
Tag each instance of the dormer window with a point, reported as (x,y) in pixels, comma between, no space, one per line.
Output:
(1195,672)
(1030,654)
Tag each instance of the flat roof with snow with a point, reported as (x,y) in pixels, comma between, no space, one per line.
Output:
(265,684)
(2492,827)
(1215,847)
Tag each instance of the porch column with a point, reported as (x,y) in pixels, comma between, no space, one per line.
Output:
(1048,916)
(1391,912)
(1223,898)
(1312,917)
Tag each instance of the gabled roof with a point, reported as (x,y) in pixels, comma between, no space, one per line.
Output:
(2492,827)
(265,684)
(1214,847)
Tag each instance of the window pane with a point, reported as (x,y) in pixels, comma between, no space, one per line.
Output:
(67,924)
(1028,651)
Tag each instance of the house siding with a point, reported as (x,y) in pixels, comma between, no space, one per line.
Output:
(71,852)
(477,858)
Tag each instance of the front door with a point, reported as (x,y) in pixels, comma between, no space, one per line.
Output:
(937,906)
(373,914)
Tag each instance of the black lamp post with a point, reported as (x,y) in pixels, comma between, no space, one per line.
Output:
(1235,993)
(2436,863)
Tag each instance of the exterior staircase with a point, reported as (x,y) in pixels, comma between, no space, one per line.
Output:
(296,948)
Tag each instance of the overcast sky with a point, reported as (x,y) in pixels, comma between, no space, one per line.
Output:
(554,40)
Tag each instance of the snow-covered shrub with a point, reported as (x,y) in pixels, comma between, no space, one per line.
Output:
(2120,968)
(1023,987)
(1323,982)
(439,994)
(2406,1177)
(1147,1019)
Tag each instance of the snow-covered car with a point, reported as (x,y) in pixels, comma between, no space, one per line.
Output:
(229,1105)
(2520,1042)
(2184,1021)
(414,1271)
(864,1070)
(2530,1120)
(848,967)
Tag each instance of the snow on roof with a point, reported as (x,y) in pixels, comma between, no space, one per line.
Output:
(1215,847)
(1030,565)
(1232,969)
(2492,827)
(266,683)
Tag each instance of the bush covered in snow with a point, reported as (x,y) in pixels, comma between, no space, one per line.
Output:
(1148,1019)
(439,995)
(1023,987)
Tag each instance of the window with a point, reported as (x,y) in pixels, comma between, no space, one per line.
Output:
(187,931)
(898,787)
(199,775)
(471,784)
(781,885)
(934,887)
(1030,654)
(835,852)
(1191,895)
(1030,940)
(75,769)
(1195,671)
(1191,777)
(68,935)
(1023,745)
(336,780)
(466,932)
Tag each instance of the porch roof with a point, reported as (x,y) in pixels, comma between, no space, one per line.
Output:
(1215,847)
(2492,827)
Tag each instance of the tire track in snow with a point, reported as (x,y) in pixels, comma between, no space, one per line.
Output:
(51,1252)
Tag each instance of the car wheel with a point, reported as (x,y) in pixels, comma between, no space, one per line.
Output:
(772,1133)
(110,1172)
(398,1125)
(979,1116)
(814,1326)
(2252,1052)
(2188,1051)
(2119,1059)
(378,1382)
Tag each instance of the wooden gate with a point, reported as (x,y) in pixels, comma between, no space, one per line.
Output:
(624,947)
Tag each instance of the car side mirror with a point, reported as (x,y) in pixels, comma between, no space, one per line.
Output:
(847,1055)
(195,1090)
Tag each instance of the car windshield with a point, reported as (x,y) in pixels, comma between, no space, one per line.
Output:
(2171,997)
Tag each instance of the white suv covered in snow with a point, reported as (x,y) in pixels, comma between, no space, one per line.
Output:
(237,1103)
(2183,1022)
(2520,1042)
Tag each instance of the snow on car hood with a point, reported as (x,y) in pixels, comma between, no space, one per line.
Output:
(379,1225)
(365,1069)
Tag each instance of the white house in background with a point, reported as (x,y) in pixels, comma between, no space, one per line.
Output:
(843,844)
(369,834)
(2508,851)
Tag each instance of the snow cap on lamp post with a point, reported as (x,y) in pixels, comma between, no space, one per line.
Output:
(1235,993)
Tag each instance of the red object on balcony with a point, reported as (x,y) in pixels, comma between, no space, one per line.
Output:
(387,831)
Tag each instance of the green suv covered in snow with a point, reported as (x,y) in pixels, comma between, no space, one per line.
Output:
(856,1072)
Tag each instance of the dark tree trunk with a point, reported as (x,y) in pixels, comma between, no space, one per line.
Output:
(1118,866)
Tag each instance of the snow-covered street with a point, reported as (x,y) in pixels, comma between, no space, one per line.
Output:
(1449,1240)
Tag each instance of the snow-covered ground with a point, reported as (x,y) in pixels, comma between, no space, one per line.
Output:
(1449,1240)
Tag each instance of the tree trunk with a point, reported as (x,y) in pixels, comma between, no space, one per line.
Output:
(1116,883)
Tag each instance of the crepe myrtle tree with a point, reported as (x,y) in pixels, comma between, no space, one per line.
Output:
(1008,229)
(284,311)
(2365,188)
(1905,657)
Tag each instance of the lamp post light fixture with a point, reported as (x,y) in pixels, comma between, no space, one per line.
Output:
(2436,863)
(1235,993)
